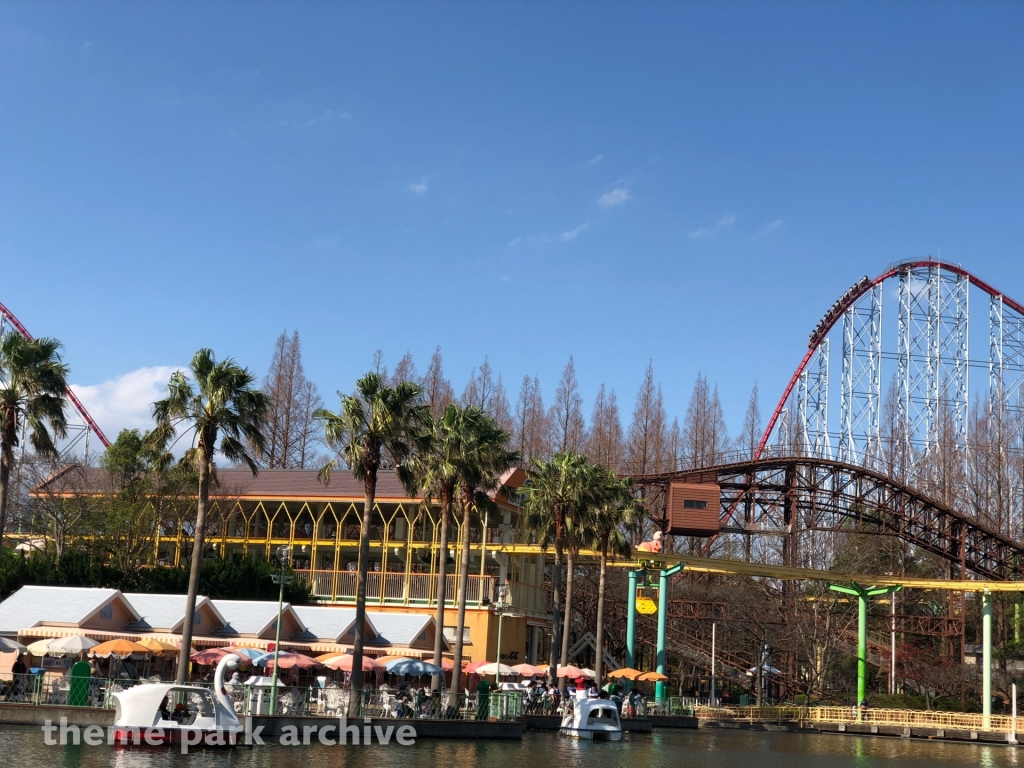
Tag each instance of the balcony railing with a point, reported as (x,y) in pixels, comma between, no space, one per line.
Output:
(395,588)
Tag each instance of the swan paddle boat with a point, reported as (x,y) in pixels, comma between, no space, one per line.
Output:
(160,713)
(592,719)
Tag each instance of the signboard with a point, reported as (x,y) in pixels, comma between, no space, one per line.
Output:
(646,606)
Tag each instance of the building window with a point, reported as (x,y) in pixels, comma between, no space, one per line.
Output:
(197,618)
(693,504)
(107,612)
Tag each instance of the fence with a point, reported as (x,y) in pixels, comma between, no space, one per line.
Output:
(299,702)
(898,717)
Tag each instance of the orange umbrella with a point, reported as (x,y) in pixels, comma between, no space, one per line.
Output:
(652,677)
(448,665)
(119,649)
(344,663)
(569,671)
(626,673)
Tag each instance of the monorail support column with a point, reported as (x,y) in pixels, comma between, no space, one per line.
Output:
(863,594)
(664,574)
(631,625)
(986,660)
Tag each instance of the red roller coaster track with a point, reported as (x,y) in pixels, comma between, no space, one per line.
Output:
(9,316)
(848,300)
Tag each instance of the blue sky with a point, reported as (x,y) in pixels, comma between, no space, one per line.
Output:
(692,184)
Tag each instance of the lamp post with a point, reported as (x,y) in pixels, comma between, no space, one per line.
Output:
(284,554)
(504,601)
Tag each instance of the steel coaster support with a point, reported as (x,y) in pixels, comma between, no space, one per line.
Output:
(663,577)
(861,391)
(863,594)
(812,406)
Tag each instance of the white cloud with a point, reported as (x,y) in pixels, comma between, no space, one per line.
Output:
(594,161)
(127,401)
(770,227)
(701,232)
(419,187)
(572,234)
(328,114)
(513,243)
(617,196)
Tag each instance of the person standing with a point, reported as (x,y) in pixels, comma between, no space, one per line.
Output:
(483,699)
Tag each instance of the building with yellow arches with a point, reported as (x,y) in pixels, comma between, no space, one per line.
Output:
(256,515)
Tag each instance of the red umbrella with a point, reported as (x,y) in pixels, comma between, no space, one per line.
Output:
(290,660)
(471,669)
(209,656)
(569,671)
(344,663)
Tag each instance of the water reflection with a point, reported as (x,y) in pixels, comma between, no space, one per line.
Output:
(665,749)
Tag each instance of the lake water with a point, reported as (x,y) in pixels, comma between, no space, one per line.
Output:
(20,747)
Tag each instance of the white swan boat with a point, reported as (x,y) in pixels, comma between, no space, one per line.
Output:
(593,719)
(156,713)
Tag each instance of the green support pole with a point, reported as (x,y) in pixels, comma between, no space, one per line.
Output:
(631,625)
(659,688)
(986,659)
(862,594)
(862,648)
(1016,622)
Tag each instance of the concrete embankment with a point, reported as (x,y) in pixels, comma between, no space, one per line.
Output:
(33,714)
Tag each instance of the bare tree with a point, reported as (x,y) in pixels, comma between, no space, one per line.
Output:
(647,436)
(531,432)
(705,437)
(750,435)
(404,371)
(604,441)
(568,429)
(437,390)
(293,435)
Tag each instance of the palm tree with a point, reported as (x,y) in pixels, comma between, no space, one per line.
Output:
(437,469)
(483,457)
(33,393)
(617,512)
(555,490)
(378,426)
(224,404)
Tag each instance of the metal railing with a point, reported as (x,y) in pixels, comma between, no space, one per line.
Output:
(57,691)
(965,721)
(292,701)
